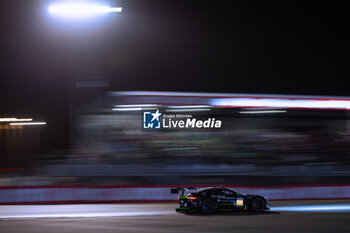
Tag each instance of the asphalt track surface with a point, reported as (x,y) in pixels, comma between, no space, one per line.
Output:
(310,216)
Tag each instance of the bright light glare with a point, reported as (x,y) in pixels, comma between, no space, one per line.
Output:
(28,123)
(282,103)
(14,119)
(189,110)
(314,208)
(190,106)
(86,215)
(136,105)
(78,10)
(126,109)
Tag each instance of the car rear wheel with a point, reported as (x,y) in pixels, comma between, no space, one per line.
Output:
(258,204)
(208,206)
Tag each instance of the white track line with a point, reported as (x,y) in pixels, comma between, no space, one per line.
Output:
(314,208)
(89,215)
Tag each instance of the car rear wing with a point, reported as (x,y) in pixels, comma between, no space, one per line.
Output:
(183,191)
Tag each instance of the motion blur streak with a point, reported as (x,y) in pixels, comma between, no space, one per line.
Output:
(189,110)
(90,215)
(257,112)
(282,103)
(127,109)
(314,208)
(14,119)
(190,106)
(136,105)
(29,123)
(82,211)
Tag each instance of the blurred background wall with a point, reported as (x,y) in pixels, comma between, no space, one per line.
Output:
(292,146)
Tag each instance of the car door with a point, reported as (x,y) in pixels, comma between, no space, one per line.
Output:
(226,198)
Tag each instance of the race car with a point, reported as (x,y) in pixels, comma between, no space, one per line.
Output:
(214,199)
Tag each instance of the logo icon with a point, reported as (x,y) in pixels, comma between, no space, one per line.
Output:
(151,119)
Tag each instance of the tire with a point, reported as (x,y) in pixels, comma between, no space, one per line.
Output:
(207,206)
(258,204)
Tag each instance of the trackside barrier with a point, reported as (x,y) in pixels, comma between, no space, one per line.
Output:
(155,193)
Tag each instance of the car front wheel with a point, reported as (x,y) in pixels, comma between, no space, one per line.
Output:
(258,204)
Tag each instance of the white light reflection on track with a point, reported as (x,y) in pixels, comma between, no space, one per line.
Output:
(88,215)
(314,208)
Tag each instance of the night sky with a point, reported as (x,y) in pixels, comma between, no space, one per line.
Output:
(170,45)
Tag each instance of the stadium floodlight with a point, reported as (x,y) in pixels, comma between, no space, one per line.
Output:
(80,9)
